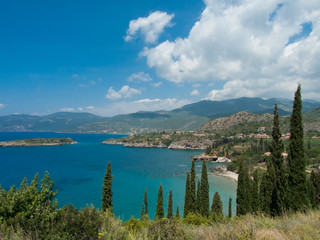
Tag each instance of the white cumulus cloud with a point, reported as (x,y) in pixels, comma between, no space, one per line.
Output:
(140,76)
(124,107)
(124,92)
(246,46)
(2,105)
(195,92)
(149,27)
(157,84)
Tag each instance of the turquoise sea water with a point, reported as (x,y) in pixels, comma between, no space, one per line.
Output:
(78,171)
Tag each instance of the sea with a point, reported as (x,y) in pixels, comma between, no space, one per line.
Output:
(78,171)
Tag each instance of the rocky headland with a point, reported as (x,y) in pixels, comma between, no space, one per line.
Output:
(38,142)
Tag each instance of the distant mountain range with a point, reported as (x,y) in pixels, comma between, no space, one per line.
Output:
(186,118)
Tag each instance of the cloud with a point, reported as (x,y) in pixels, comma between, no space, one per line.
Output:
(157,84)
(90,107)
(149,27)
(112,94)
(194,93)
(124,92)
(66,109)
(147,104)
(2,105)
(140,76)
(246,47)
(80,108)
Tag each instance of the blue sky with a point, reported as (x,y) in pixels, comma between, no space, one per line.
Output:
(115,57)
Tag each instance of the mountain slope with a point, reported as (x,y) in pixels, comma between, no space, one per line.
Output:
(215,109)
(187,118)
(61,121)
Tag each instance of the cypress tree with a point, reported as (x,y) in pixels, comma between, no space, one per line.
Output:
(144,211)
(145,200)
(107,190)
(193,205)
(198,198)
(276,149)
(244,197)
(217,206)
(255,193)
(204,191)
(315,179)
(267,188)
(230,208)
(160,210)
(297,188)
(169,210)
(312,194)
(178,213)
(186,209)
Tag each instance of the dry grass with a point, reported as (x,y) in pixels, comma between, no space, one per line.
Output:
(297,226)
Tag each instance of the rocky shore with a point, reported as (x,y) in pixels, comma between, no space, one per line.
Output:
(38,142)
(223,172)
(182,145)
(214,159)
(135,144)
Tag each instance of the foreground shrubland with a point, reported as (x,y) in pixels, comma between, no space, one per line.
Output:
(90,223)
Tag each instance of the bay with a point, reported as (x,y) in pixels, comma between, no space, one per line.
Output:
(78,171)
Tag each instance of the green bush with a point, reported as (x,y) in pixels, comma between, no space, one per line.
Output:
(195,219)
(166,229)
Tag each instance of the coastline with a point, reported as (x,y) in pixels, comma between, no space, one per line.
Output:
(222,171)
(231,175)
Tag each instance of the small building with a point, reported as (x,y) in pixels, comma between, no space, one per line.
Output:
(240,135)
(265,136)
(165,136)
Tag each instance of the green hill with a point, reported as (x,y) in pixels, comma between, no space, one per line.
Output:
(187,118)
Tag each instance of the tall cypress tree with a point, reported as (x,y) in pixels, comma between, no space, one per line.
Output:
(170,209)
(230,208)
(244,196)
(144,211)
(255,193)
(312,193)
(145,201)
(217,206)
(204,191)
(193,204)
(297,188)
(186,209)
(198,198)
(267,188)
(178,213)
(315,179)
(159,209)
(107,190)
(276,149)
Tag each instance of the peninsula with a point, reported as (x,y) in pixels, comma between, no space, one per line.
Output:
(38,142)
